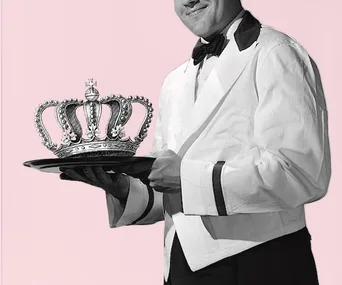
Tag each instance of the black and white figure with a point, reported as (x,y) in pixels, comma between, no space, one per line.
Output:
(242,145)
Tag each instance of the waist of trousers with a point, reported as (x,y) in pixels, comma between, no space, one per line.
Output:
(179,267)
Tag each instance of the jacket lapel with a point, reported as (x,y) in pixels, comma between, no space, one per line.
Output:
(227,70)
(183,98)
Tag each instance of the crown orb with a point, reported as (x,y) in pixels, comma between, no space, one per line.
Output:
(92,94)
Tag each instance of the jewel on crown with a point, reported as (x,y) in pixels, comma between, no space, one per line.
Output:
(78,142)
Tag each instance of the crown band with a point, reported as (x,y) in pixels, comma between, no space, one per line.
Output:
(114,148)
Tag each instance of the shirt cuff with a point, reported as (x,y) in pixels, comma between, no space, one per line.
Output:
(136,204)
(197,187)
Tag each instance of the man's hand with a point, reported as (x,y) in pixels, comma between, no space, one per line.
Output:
(116,184)
(165,174)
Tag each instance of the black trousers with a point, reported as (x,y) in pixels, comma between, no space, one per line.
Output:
(287,260)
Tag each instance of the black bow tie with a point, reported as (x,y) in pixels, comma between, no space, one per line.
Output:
(214,47)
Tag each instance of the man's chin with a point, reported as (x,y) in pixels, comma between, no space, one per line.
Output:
(200,32)
(202,35)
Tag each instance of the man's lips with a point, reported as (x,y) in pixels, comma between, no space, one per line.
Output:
(195,11)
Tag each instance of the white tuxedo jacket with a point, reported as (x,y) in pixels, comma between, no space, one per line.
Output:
(254,147)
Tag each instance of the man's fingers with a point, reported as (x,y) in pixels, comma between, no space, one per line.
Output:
(154,175)
(116,177)
(89,173)
(63,176)
(102,176)
(158,163)
(161,188)
(168,190)
(73,174)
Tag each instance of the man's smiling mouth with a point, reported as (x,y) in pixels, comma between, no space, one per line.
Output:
(196,11)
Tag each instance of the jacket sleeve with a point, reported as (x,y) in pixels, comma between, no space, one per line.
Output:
(144,205)
(289,163)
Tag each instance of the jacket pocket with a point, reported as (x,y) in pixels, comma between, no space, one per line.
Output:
(209,227)
(234,227)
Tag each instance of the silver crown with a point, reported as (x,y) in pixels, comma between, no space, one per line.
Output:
(113,143)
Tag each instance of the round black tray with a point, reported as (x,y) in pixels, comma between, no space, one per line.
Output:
(136,166)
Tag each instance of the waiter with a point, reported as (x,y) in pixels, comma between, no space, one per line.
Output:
(242,145)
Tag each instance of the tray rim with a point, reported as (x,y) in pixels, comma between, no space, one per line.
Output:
(46,163)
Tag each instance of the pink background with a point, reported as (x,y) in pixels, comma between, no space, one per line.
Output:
(56,232)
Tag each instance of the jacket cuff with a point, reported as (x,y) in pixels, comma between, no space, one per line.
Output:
(197,187)
(137,202)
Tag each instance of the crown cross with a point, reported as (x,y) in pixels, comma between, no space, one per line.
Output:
(91,83)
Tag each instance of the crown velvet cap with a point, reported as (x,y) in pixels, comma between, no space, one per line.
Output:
(77,142)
